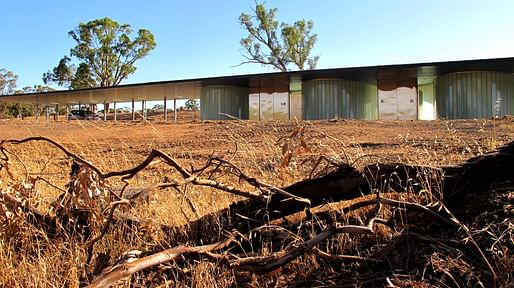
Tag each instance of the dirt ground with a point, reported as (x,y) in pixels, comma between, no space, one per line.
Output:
(259,147)
(446,142)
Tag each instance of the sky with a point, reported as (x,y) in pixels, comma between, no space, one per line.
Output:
(197,39)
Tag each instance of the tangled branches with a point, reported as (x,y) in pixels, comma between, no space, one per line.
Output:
(353,225)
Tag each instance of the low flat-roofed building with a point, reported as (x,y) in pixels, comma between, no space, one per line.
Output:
(426,91)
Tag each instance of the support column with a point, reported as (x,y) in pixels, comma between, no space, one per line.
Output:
(57,111)
(174,110)
(115,112)
(165,110)
(133,111)
(106,110)
(143,109)
(67,112)
(37,108)
(46,113)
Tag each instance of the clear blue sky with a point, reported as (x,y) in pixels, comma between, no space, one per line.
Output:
(201,38)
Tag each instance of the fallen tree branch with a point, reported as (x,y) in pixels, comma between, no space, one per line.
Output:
(408,205)
(38,216)
(111,276)
(75,157)
(267,264)
(130,173)
(320,213)
(346,258)
(259,184)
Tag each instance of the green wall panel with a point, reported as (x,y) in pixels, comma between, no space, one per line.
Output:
(217,100)
(339,98)
(480,94)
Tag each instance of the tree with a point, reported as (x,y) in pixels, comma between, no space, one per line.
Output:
(192,104)
(8,81)
(34,89)
(158,107)
(62,74)
(266,45)
(105,52)
(83,77)
(19,109)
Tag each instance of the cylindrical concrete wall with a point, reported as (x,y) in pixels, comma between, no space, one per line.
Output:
(339,98)
(480,94)
(220,102)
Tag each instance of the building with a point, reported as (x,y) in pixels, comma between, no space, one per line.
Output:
(426,91)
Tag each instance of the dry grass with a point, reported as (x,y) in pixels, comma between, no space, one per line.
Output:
(29,259)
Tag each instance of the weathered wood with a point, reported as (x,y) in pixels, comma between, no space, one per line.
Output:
(113,274)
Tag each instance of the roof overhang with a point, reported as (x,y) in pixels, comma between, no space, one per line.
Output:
(122,93)
(191,88)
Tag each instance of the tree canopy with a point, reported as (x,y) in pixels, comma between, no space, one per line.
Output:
(192,104)
(8,81)
(34,89)
(106,53)
(266,45)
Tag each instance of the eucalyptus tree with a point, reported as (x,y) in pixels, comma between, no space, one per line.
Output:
(106,52)
(8,81)
(279,46)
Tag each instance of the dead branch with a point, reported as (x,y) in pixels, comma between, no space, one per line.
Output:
(103,231)
(116,273)
(75,157)
(40,217)
(341,209)
(227,188)
(129,173)
(345,258)
(264,265)
(260,185)
(403,204)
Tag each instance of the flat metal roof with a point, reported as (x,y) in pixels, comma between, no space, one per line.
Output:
(191,88)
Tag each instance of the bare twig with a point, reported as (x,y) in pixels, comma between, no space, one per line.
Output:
(105,227)
(349,258)
(403,204)
(259,184)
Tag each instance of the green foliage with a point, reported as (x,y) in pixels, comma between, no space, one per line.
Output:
(17,109)
(158,107)
(192,104)
(8,81)
(34,89)
(266,45)
(106,53)
(62,74)
(83,78)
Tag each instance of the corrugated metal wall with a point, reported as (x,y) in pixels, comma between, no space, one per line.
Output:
(295,97)
(370,109)
(474,95)
(217,100)
(339,98)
